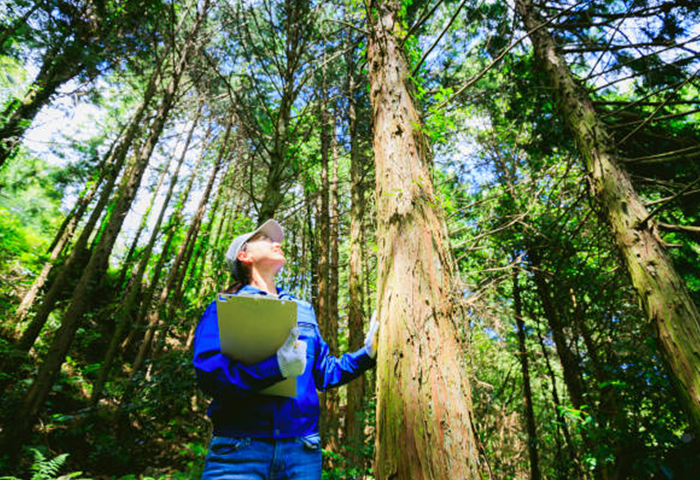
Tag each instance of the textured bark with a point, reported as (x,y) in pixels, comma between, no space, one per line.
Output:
(424,406)
(39,390)
(527,391)
(663,295)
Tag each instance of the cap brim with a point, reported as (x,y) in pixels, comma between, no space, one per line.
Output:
(272,229)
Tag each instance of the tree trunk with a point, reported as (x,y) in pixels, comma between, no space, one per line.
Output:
(331,332)
(181,260)
(17,117)
(561,422)
(354,426)
(663,295)
(77,255)
(129,257)
(39,390)
(66,230)
(569,361)
(129,304)
(424,406)
(323,244)
(171,227)
(527,391)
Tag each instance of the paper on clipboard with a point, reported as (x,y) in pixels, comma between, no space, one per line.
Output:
(253,327)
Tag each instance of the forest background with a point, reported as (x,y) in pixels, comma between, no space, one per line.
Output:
(515,186)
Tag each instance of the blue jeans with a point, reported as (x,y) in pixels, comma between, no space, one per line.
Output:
(244,458)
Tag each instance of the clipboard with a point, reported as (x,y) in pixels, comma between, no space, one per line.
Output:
(253,327)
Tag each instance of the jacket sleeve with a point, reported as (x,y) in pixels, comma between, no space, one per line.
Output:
(218,374)
(330,372)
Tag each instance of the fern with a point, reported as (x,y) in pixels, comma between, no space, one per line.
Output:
(47,469)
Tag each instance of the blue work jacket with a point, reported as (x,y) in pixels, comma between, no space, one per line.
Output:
(238,410)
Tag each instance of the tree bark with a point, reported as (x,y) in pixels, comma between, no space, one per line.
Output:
(424,406)
(331,332)
(328,407)
(666,301)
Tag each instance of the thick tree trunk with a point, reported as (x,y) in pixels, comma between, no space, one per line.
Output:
(39,390)
(527,391)
(663,295)
(424,406)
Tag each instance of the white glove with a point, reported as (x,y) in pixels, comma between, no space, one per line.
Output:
(371,338)
(291,356)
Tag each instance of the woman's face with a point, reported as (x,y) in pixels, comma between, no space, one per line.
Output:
(263,253)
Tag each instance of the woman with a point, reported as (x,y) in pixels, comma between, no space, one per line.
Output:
(260,436)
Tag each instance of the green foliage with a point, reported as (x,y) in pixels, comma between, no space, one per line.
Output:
(44,468)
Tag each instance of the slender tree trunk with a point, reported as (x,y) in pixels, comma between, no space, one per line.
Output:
(354,426)
(527,391)
(65,232)
(172,226)
(569,361)
(664,296)
(323,244)
(134,288)
(39,390)
(561,422)
(424,406)
(313,250)
(180,260)
(78,253)
(331,332)
(128,259)
(57,68)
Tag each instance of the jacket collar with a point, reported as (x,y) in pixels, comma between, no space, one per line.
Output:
(251,290)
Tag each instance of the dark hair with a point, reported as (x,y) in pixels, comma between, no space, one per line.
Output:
(244,270)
